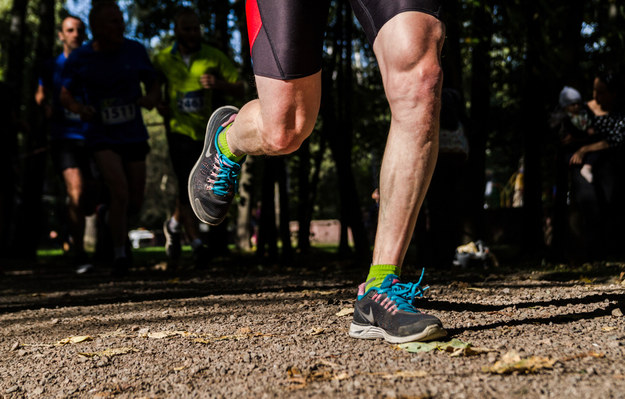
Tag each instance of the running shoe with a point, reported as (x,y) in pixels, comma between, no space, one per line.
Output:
(173,248)
(387,312)
(213,181)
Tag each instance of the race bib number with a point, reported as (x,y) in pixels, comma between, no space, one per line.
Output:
(114,115)
(191,102)
(70,116)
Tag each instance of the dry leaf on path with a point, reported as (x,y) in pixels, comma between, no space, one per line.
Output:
(167,334)
(455,347)
(321,371)
(345,312)
(74,340)
(315,331)
(511,362)
(110,352)
(403,374)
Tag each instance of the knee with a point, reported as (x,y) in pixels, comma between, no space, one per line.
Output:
(417,84)
(74,193)
(287,135)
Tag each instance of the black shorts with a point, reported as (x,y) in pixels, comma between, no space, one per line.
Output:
(184,152)
(129,152)
(286,36)
(71,153)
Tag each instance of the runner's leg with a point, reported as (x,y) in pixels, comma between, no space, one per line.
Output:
(408,50)
(280,119)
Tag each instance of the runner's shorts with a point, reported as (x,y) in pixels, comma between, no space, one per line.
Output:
(286,36)
(71,153)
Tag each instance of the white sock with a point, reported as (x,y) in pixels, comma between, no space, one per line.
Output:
(173,224)
(586,172)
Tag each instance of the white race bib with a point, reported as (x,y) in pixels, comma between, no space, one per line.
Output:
(117,114)
(70,116)
(191,102)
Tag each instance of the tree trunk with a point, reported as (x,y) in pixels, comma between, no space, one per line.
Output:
(303,234)
(244,206)
(571,51)
(534,129)
(284,218)
(479,126)
(452,58)
(267,232)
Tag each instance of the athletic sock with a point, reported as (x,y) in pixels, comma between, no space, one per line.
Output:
(223,146)
(377,273)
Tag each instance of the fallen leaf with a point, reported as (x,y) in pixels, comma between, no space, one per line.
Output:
(167,334)
(581,355)
(608,328)
(417,347)
(244,330)
(316,331)
(511,362)
(345,312)
(405,374)
(74,340)
(317,292)
(455,347)
(617,312)
(109,352)
(321,371)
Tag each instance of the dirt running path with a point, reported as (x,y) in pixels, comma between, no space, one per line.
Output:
(245,333)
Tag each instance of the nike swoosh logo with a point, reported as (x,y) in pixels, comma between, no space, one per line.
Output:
(369,316)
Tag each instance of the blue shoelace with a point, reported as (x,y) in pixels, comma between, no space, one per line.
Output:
(404,293)
(226,177)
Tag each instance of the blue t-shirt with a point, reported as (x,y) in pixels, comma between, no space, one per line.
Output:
(111,83)
(65,124)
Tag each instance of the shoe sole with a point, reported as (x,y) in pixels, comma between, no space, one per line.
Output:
(430,333)
(213,123)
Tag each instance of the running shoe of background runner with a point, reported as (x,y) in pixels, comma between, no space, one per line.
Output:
(387,312)
(213,181)
(173,247)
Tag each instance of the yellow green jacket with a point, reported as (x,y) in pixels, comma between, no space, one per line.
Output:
(190,104)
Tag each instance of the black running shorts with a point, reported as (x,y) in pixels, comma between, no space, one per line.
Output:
(286,36)
(70,153)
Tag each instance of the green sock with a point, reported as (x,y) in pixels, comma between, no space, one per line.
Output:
(223,146)
(377,273)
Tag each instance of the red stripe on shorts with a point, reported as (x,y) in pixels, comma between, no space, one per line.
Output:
(254,22)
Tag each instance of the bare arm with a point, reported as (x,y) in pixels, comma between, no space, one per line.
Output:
(86,112)
(578,157)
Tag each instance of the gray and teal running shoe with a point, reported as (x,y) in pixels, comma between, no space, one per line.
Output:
(387,312)
(213,181)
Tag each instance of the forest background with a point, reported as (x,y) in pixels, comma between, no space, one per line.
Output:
(508,59)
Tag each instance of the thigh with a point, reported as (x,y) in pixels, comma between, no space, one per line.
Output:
(111,168)
(286,36)
(136,176)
